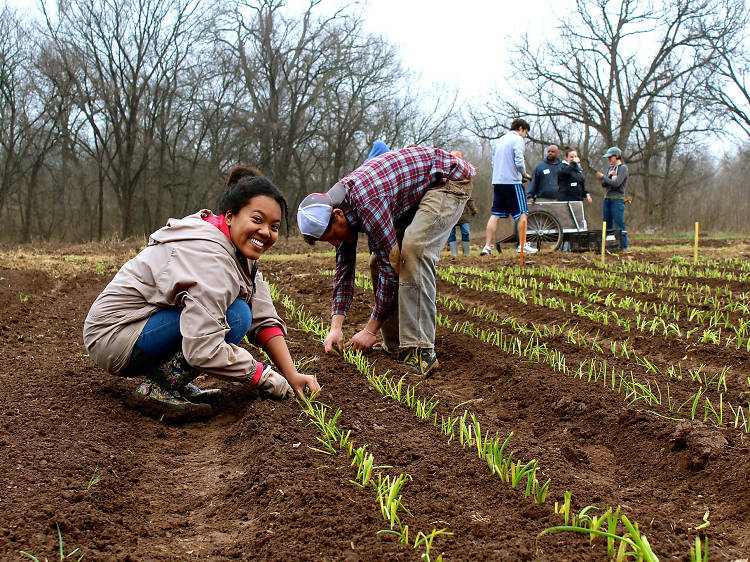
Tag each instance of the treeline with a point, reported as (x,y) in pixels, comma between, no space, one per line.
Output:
(117,114)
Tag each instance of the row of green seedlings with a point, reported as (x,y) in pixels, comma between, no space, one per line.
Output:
(594,371)
(714,413)
(583,522)
(719,315)
(695,295)
(512,286)
(334,439)
(586,521)
(574,336)
(637,391)
(469,434)
(591,312)
(585,340)
(387,489)
(622,350)
(682,268)
(704,377)
(642,323)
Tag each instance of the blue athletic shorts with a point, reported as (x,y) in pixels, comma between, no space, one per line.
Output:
(510,200)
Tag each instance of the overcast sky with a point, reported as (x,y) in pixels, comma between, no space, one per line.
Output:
(463,42)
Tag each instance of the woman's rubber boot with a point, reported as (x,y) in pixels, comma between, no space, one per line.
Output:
(454,247)
(160,395)
(179,375)
(466,245)
(153,400)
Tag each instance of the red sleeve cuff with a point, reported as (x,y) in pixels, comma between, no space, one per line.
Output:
(266,334)
(258,372)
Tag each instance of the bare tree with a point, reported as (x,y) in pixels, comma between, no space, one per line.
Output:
(319,91)
(17,116)
(621,73)
(122,58)
(729,90)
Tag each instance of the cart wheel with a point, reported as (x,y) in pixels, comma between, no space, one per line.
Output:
(543,230)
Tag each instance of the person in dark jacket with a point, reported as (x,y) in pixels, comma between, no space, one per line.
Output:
(543,183)
(571,183)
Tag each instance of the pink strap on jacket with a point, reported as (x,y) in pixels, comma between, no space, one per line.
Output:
(219,222)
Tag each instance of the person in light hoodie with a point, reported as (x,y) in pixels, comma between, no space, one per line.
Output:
(180,307)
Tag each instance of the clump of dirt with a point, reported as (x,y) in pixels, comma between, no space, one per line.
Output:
(700,441)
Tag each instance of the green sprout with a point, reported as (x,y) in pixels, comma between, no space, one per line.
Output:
(95,477)
(63,556)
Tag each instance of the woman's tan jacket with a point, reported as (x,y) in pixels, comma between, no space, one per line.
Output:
(188,264)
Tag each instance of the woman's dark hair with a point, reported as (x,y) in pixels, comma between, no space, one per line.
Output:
(245,189)
(236,173)
(569,149)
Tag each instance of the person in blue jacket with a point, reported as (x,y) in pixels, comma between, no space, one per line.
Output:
(377,149)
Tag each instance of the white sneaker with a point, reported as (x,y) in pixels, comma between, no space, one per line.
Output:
(527,249)
(486,251)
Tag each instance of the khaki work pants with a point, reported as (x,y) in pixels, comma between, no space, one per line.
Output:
(412,324)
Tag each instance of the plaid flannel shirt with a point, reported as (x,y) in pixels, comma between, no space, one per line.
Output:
(379,193)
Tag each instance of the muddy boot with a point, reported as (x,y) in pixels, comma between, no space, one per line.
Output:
(179,375)
(454,247)
(153,400)
(421,361)
(466,245)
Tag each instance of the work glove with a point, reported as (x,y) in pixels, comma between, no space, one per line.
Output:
(273,385)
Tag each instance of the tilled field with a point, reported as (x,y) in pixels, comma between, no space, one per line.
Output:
(616,409)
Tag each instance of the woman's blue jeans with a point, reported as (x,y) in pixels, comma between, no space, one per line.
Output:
(613,213)
(465,232)
(161,337)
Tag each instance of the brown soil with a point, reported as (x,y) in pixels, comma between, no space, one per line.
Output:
(248,484)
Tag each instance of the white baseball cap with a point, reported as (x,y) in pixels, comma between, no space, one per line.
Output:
(314,213)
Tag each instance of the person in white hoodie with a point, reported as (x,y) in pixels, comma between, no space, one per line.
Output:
(180,307)
(508,171)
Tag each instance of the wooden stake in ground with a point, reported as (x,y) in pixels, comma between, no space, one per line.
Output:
(604,238)
(522,241)
(695,249)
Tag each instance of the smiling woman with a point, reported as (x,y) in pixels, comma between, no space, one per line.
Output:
(256,220)
(181,306)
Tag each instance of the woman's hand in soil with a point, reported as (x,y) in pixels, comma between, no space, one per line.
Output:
(334,341)
(300,382)
(362,340)
(273,384)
